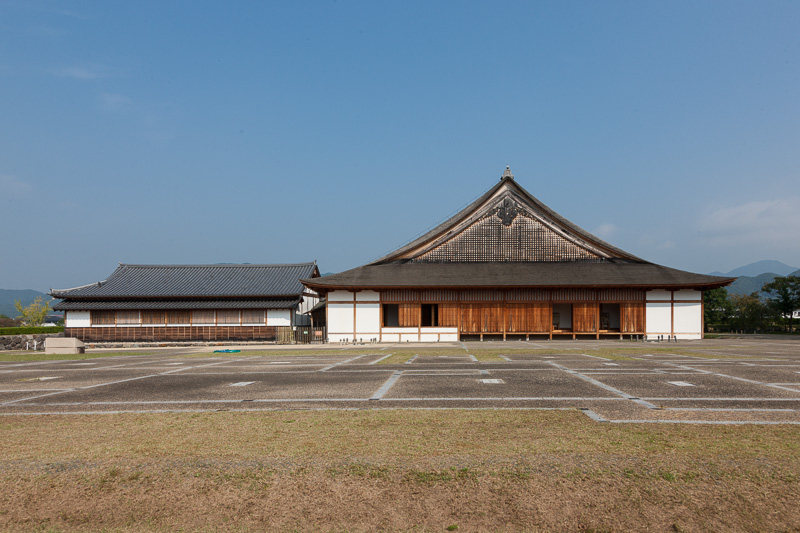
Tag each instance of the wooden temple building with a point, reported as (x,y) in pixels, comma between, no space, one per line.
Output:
(191,302)
(509,267)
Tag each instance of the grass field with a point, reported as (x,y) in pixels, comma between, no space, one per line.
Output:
(393,470)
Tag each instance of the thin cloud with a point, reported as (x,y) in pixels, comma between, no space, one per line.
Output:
(12,187)
(756,222)
(113,102)
(605,230)
(80,72)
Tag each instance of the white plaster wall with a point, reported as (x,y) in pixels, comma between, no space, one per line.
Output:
(658,317)
(390,337)
(368,319)
(78,319)
(339,337)
(688,319)
(688,294)
(279,317)
(368,296)
(340,319)
(658,294)
(340,296)
(439,330)
(399,330)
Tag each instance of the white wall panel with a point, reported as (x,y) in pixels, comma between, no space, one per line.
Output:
(688,294)
(368,296)
(659,318)
(658,294)
(688,318)
(279,317)
(340,319)
(340,296)
(78,319)
(400,330)
(340,337)
(368,318)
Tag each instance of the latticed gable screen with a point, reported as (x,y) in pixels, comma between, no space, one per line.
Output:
(524,240)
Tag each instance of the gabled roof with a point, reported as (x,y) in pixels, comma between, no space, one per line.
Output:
(196,281)
(507,216)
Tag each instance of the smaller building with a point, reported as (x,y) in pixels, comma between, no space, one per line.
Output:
(191,302)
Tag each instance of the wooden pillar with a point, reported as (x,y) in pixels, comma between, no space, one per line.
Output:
(505,312)
(672,313)
(597,314)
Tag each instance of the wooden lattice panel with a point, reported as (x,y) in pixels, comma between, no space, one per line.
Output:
(574,295)
(400,295)
(621,295)
(528,295)
(488,239)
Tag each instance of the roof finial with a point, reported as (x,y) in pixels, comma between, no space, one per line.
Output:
(507,174)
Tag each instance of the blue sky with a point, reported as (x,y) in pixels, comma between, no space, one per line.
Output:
(261,132)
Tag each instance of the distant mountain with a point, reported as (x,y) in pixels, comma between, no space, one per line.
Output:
(750,284)
(25,296)
(758,268)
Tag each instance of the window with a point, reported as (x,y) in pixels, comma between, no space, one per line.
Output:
(178,317)
(154,318)
(391,315)
(127,318)
(430,315)
(103,318)
(204,318)
(253,316)
(228,316)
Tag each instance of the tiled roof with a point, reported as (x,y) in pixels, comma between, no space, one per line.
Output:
(184,281)
(508,275)
(87,305)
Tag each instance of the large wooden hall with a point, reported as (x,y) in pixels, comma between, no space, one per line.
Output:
(509,267)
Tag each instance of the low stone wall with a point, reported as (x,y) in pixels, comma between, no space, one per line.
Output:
(18,342)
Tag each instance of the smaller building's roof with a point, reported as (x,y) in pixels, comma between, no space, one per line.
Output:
(196,281)
(97,305)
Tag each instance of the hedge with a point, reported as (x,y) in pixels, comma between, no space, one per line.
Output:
(24,330)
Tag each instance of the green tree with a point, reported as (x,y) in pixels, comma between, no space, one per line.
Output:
(750,312)
(35,313)
(717,308)
(784,297)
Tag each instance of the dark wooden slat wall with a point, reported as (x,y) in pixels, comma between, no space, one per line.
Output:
(175,333)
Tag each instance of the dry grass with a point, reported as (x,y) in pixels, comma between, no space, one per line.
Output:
(393,470)
(17,356)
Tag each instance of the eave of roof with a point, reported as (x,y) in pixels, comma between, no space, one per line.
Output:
(514,275)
